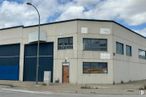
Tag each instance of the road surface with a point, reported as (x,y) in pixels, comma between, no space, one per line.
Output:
(4,92)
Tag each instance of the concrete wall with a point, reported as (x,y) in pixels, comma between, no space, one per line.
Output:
(120,67)
(55,31)
(67,29)
(128,68)
(93,56)
(13,36)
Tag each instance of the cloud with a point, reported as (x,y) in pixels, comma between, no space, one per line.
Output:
(72,12)
(10,13)
(14,12)
(132,11)
(142,32)
(86,2)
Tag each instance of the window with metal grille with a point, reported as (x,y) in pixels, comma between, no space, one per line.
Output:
(65,43)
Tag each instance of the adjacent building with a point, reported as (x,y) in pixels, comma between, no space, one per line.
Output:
(77,51)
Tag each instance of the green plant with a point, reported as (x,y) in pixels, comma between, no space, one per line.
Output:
(122,82)
(144,87)
(114,83)
(44,84)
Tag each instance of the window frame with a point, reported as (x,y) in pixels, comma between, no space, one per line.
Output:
(139,56)
(91,41)
(117,51)
(62,45)
(94,68)
(130,48)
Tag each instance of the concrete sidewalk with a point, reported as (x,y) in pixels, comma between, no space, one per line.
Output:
(131,88)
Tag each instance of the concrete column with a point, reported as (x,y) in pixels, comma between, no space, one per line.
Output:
(21,62)
(21,59)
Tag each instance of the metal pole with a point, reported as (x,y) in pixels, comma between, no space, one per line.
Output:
(38,43)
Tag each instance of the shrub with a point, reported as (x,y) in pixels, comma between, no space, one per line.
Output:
(122,82)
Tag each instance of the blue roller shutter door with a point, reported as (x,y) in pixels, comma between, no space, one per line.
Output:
(46,61)
(9,62)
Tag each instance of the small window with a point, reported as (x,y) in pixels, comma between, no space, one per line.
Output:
(65,43)
(142,54)
(94,67)
(119,48)
(92,44)
(128,50)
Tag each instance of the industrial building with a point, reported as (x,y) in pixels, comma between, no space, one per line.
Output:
(77,51)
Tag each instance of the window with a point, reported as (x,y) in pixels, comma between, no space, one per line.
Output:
(94,67)
(65,43)
(94,44)
(142,54)
(128,50)
(119,48)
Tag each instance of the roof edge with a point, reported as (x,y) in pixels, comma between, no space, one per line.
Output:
(129,29)
(12,27)
(77,19)
(62,21)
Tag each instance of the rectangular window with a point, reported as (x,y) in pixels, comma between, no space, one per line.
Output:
(65,43)
(94,67)
(93,44)
(142,54)
(128,50)
(119,48)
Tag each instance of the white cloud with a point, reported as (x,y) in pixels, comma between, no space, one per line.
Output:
(46,8)
(72,12)
(13,13)
(142,32)
(86,2)
(131,11)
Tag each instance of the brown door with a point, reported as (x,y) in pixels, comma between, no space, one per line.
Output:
(65,74)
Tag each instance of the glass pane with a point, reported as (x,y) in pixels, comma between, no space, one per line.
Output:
(94,67)
(65,43)
(95,44)
(119,48)
(128,50)
(142,54)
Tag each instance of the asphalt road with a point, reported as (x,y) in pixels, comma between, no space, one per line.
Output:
(13,93)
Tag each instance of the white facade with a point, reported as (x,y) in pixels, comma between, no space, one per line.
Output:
(120,67)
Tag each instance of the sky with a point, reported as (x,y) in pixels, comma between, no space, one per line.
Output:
(130,13)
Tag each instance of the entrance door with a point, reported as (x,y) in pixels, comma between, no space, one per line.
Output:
(65,77)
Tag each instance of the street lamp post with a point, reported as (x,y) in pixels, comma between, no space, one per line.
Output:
(38,43)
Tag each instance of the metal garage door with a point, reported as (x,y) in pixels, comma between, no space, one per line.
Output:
(46,61)
(9,62)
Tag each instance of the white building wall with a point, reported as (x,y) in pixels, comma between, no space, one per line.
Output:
(94,31)
(128,68)
(60,30)
(13,36)
(120,67)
